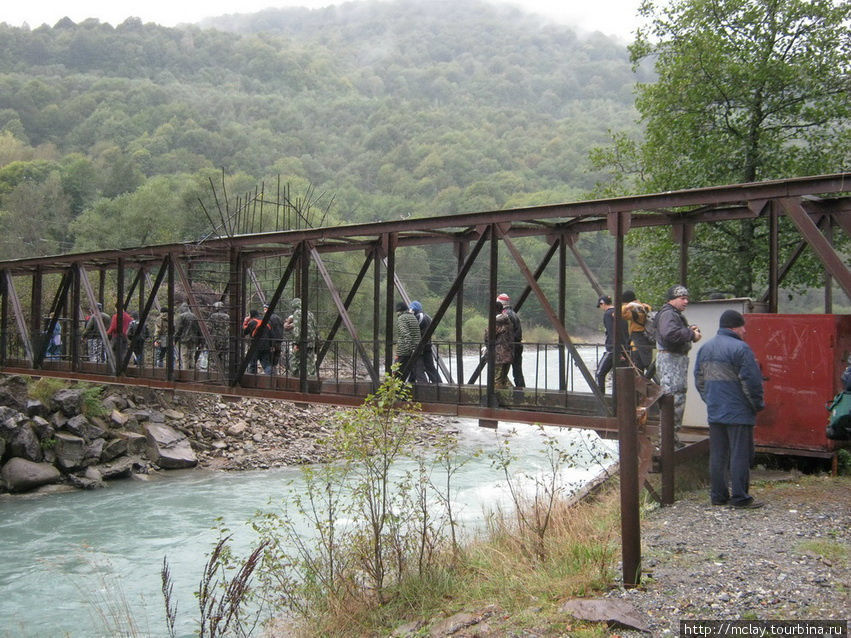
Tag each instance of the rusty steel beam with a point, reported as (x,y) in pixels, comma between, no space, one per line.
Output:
(520,301)
(454,289)
(4,318)
(20,320)
(93,309)
(338,321)
(715,197)
(583,265)
(255,340)
(831,260)
(56,307)
(559,327)
(196,310)
(343,313)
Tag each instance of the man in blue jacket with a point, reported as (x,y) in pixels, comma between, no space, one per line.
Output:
(730,383)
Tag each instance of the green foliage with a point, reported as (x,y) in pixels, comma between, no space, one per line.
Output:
(370,516)
(766,82)
(536,497)
(843,462)
(474,115)
(473,328)
(92,404)
(745,91)
(44,388)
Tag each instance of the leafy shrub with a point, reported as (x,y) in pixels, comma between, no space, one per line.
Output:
(44,388)
(92,404)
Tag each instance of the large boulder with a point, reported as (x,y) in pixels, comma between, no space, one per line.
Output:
(7,413)
(10,423)
(70,450)
(81,426)
(14,392)
(120,468)
(35,407)
(91,479)
(42,428)
(69,401)
(93,452)
(169,448)
(116,447)
(25,444)
(21,475)
(137,443)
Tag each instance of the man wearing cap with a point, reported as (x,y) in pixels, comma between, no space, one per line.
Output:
(407,337)
(607,360)
(673,341)
(516,338)
(730,383)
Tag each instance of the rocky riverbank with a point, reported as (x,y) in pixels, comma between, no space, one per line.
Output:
(65,440)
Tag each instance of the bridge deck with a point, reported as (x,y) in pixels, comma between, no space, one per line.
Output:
(529,405)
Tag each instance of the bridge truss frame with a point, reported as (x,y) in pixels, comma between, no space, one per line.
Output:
(815,205)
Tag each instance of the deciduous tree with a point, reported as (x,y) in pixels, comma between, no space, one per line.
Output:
(747,90)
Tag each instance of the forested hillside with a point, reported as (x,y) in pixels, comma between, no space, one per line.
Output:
(110,135)
(390,108)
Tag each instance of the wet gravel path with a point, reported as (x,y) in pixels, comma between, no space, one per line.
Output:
(790,560)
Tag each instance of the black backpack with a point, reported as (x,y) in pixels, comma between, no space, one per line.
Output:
(650,328)
(839,424)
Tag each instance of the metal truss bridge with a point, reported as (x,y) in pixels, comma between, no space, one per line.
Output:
(350,278)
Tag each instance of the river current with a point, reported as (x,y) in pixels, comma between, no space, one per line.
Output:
(80,563)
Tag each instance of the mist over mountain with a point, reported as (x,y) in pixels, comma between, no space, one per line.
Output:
(387,108)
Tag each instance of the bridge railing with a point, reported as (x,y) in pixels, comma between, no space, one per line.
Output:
(552,378)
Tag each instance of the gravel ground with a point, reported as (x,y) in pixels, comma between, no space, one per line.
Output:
(790,560)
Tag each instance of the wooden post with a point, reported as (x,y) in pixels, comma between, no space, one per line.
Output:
(628,451)
(666,445)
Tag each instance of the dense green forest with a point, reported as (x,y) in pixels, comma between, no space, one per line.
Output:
(110,135)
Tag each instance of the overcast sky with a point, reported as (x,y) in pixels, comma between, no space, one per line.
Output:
(612,17)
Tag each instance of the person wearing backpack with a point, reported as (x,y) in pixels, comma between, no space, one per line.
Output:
(187,333)
(302,339)
(610,324)
(161,338)
(516,339)
(729,381)
(276,337)
(219,322)
(641,344)
(425,366)
(251,327)
(137,344)
(117,333)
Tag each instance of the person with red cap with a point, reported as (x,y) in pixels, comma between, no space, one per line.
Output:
(517,340)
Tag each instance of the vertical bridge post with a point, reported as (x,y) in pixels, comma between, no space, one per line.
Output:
(628,453)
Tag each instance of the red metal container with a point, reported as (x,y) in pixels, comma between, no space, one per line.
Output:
(802,358)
